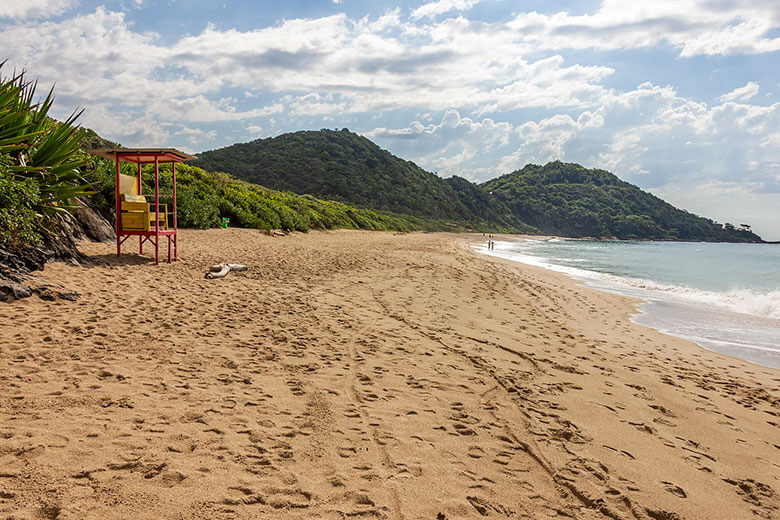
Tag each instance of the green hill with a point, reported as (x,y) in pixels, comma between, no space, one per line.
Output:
(347,167)
(570,200)
(206,197)
(558,198)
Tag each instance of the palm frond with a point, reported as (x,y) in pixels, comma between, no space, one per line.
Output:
(34,148)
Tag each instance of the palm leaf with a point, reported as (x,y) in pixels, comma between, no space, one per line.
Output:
(34,147)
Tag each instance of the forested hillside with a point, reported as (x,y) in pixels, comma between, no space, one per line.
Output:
(349,168)
(570,200)
(558,198)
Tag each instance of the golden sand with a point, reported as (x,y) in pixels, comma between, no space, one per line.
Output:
(366,375)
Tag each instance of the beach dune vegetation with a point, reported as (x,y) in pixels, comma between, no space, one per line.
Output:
(205,198)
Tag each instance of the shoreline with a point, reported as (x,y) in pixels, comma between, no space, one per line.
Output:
(658,309)
(509,236)
(352,373)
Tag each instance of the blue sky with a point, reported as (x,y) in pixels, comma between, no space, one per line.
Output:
(681,97)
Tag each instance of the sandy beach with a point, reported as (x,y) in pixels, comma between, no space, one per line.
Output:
(366,375)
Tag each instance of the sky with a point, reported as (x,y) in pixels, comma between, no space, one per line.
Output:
(680,97)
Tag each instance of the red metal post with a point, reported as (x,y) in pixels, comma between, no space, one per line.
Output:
(118,209)
(156,210)
(175,225)
(140,237)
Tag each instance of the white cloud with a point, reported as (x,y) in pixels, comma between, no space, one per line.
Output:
(696,27)
(35,8)
(742,93)
(313,105)
(650,136)
(451,146)
(200,108)
(433,9)
(196,135)
(371,66)
(654,137)
(127,127)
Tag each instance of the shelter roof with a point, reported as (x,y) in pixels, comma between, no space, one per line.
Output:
(143,155)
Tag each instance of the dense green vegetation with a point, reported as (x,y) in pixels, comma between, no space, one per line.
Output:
(347,167)
(204,198)
(570,200)
(18,219)
(40,163)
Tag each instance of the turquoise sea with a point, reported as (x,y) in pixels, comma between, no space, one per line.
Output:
(725,297)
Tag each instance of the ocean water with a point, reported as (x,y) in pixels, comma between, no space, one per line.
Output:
(725,297)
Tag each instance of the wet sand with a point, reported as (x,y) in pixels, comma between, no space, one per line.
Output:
(367,375)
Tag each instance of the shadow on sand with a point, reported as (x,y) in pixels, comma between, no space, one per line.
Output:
(125,259)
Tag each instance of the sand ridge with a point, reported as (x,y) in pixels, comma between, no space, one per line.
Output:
(371,375)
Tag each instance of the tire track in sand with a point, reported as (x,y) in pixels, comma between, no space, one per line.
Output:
(365,417)
(534,453)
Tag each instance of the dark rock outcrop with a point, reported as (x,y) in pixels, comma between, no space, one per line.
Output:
(17,264)
(90,224)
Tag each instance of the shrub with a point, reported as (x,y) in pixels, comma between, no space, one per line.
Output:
(18,219)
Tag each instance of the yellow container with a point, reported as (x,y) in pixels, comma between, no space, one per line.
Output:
(135,221)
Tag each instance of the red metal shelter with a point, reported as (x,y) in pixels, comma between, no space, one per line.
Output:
(134,216)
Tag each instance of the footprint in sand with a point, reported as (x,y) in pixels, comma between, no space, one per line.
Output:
(675,489)
(503,457)
(662,410)
(475,452)
(351,412)
(346,451)
(642,427)
(296,387)
(462,429)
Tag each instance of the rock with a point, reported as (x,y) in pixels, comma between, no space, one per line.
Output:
(46,294)
(22,260)
(20,291)
(10,291)
(16,264)
(91,223)
(70,296)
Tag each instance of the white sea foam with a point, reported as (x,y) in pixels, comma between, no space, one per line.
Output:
(729,343)
(744,301)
